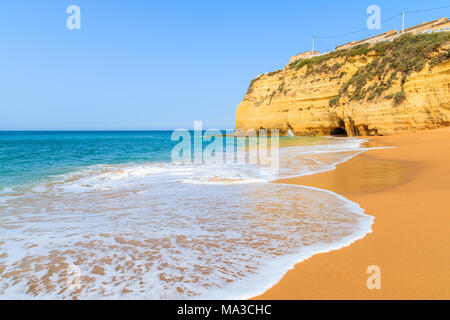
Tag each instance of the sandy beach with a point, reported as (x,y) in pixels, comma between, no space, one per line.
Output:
(407,190)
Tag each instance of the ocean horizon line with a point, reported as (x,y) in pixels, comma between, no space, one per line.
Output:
(106,130)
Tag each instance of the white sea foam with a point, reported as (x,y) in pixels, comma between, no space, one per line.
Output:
(160,230)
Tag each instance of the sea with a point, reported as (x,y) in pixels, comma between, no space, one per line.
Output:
(110,215)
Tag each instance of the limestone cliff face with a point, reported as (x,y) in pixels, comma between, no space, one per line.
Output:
(293,99)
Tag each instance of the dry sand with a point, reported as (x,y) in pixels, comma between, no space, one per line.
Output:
(407,190)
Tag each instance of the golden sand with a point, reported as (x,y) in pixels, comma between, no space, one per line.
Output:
(407,190)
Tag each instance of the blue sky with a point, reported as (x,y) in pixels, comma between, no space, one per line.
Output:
(160,64)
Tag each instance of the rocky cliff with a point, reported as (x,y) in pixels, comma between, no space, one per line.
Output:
(380,89)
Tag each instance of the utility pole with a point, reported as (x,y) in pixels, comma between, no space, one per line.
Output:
(403,22)
(313,40)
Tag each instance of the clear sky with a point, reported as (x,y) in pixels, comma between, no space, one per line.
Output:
(161,64)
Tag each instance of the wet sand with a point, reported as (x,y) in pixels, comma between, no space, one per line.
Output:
(407,190)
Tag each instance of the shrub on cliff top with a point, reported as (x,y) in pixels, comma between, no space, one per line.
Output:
(319,64)
(406,54)
(274,72)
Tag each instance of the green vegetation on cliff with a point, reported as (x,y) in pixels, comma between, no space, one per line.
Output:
(395,60)
(319,64)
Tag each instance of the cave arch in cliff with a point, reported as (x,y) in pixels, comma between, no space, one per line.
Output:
(339,130)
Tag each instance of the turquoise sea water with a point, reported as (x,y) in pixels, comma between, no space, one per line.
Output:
(27,156)
(109,215)
(30,156)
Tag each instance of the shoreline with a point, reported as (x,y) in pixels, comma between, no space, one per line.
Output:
(404,189)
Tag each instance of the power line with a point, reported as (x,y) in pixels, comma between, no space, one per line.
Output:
(357,31)
(326,43)
(383,21)
(334,44)
(432,9)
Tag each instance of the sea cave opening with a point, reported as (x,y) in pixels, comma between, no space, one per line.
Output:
(339,130)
